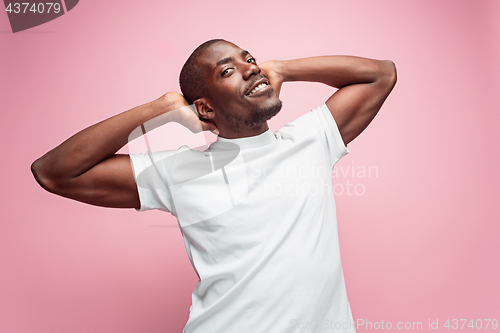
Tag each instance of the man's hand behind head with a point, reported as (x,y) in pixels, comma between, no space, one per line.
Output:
(181,112)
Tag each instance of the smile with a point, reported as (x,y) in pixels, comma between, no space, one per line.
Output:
(261,87)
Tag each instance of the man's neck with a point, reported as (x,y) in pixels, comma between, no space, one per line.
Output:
(237,133)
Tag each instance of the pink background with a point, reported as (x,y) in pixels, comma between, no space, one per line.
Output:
(421,243)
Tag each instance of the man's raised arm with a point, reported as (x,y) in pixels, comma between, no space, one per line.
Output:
(86,168)
(363,84)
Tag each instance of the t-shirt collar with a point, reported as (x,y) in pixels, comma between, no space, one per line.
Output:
(262,139)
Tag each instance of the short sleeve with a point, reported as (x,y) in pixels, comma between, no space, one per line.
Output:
(330,134)
(151,177)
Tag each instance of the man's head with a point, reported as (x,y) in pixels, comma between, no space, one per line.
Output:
(192,78)
(227,87)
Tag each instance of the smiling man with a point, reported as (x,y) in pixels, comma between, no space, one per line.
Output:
(242,96)
(256,208)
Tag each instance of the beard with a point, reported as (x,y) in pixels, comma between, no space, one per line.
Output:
(257,117)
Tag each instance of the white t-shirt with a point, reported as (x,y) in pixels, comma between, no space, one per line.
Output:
(259,223)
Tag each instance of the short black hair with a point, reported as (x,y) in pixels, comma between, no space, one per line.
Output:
(192,78)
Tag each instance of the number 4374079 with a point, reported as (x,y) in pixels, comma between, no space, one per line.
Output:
(48,7)
(472,323)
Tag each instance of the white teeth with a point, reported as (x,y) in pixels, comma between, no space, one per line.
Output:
(260,86)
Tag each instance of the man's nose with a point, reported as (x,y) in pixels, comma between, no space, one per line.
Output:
(250,69)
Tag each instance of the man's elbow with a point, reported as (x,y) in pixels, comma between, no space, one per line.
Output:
(40,171)
(388,74)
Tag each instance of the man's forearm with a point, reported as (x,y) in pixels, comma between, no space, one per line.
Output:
(363,85)
(335,71)
(94,144)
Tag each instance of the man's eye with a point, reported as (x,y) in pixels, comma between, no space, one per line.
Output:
(225,72)
(251,60)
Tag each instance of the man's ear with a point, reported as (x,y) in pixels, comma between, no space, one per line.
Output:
(203,108)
